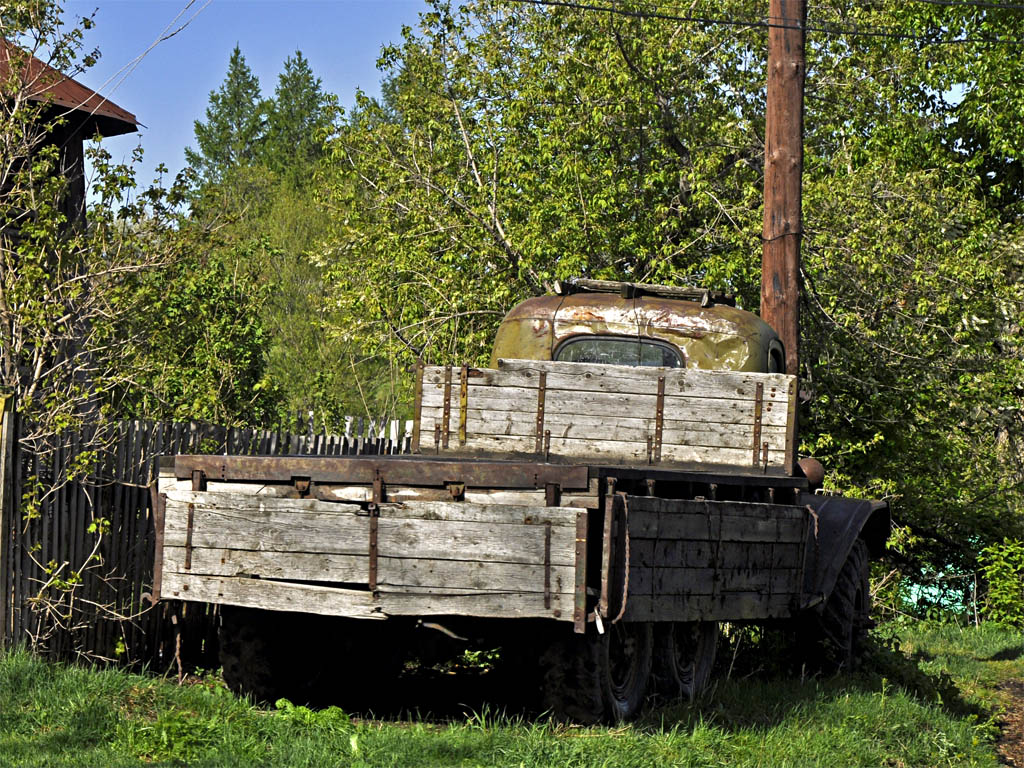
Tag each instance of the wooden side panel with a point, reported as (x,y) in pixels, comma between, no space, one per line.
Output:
(723,561)
(357,494)
(611,414)
(433,557)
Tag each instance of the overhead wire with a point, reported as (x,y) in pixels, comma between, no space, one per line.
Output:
(164,35)
(656,12)
(974,4)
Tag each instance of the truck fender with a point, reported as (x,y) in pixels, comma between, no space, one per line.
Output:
(837,523)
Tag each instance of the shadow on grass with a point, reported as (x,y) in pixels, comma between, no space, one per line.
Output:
(765,688)
(1007,654)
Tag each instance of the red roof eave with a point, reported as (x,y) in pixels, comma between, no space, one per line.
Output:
(47,85)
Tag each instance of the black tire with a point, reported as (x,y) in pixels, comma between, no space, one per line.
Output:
(595,678)
(840,630)
(684,657)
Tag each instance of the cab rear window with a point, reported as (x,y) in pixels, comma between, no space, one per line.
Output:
(618,350)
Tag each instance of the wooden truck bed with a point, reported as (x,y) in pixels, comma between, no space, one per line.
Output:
(665,417)
(542,537)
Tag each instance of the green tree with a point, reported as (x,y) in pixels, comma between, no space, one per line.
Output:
(234,126)
(517,144)
(299,120)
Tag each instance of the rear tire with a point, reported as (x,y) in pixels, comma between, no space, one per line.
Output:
(684,658)
(596,678)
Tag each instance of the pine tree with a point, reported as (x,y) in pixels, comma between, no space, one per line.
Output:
(231,135)
(298,119)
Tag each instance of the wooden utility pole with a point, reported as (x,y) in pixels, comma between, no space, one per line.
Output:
(783,163)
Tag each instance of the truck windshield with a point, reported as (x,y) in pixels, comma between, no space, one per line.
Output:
(618,350)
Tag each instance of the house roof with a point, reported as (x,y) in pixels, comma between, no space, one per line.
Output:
(45,84)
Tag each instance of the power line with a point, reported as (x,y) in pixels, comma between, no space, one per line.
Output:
(974,4)
(829,29)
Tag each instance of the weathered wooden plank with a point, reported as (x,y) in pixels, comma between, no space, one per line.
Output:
(464,511)
(713,527)
(395,470)
(614,451)
(735,606)
(302,525)
(393,493)
(297,566)
(475,576)
(712,581)
(710,507)
(510,605)
(583,403)
(594,377)
(272,595)
(307,598)
(363,493)
(706,554)
(457,540)
(621,428)
(454,511)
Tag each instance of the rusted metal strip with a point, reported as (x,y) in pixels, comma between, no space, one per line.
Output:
(606,545)
(463,402)
(579,613)
(758,407)
(417,408)
(378,488)
(437,437)
(542,386)
(764,456)
(447,413)
(198,480)
(552,494)
(188,536)
(547,565)
(377,500)
(659,419)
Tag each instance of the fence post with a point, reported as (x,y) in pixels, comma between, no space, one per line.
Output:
(7,506)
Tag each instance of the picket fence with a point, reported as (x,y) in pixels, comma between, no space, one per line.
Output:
(69,508)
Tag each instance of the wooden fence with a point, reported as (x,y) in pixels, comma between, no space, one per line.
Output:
(77,539)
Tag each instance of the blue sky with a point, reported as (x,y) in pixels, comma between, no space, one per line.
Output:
(170,86)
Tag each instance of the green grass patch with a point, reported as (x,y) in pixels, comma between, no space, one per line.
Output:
(929,702)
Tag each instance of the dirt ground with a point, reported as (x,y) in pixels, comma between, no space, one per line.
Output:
(1011,743)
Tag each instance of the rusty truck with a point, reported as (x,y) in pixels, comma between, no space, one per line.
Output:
(620,481)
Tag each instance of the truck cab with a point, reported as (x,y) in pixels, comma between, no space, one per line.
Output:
(617,323)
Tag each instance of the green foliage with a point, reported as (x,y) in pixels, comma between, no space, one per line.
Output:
(1002,565)
(229,137)
(200,345)
(514,145)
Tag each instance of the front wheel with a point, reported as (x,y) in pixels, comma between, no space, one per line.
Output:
(595,677)
(840,630)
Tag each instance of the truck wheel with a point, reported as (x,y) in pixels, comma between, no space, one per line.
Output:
(841,629)
(684,656)
(595,677)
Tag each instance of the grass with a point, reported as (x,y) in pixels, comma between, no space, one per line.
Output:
(928,697)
